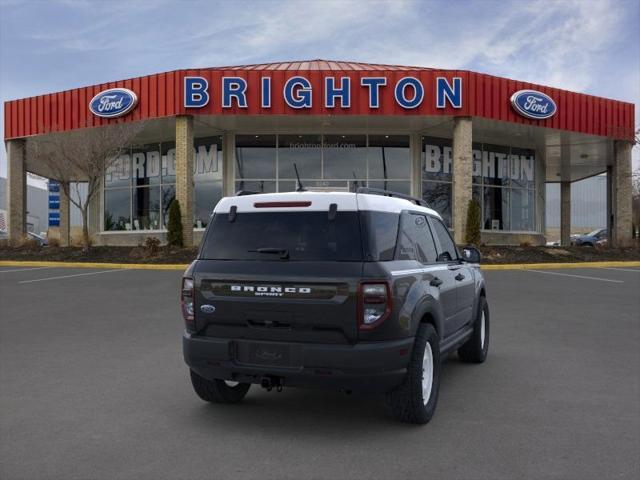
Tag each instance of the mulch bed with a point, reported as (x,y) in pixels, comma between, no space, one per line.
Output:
(163,255)
(504,254)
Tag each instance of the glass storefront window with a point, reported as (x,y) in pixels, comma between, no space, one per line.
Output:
(168,194)
(436,159)
(152,168)
(207,178)
(495,165)
(496,208)
(145,165)
(503,183)
(438,196)
(522,163)
(340,162)
(522,209)
(207,195)
(261,186)
(303,150)
(146,208)
(118,174)
(255,156)
(389,156)
(117,215)
(168,162)
(344,156)
(400,186)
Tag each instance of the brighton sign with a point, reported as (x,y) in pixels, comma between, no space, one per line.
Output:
(533,104)
(113,103)
(408,92)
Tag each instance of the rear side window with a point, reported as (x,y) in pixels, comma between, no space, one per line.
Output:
(415,241)
(304,236)
(448,250)
(380,229)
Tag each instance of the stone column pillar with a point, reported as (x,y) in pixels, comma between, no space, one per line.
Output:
(610,203)
(16,191)
(622,192)
(65,218)
(415,145)
(462,175)
(228,164)
(184,175)
(565,213)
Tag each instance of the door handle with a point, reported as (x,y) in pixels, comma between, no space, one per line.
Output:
(436,282)
(459,277)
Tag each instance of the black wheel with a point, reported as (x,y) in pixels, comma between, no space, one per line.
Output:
(476,348)
(218,391)
(415,400)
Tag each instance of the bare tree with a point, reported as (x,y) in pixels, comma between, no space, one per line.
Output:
(82,156)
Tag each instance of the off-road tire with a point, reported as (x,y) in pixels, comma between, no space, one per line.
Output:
(406,402)
(217,391)
(475,349)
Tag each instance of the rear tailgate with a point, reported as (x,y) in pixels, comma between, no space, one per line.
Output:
(296,301)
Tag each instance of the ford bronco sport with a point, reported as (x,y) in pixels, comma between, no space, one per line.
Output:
(357,291)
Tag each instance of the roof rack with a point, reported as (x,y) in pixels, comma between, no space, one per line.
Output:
(242,193)
(389,193)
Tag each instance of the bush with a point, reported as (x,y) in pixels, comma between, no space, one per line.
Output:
(472,235)
(54,242)
(174,227)
(152,246)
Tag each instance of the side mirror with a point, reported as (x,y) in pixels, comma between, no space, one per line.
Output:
(471,255)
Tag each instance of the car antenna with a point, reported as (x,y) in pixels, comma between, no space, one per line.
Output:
(300,186)
(355,180)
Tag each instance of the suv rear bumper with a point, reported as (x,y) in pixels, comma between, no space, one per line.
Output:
(363,367)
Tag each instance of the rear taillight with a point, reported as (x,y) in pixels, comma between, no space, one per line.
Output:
(374,304)
(186,301)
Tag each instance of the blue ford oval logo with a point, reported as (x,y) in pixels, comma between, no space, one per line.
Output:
(207,308)
(114,102)
(533,104)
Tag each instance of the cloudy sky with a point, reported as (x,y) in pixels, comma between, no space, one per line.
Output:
(582,45)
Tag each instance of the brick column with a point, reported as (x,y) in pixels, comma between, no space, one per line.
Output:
(16,191)
(621,184)
(184,174)
(65,219)
(565,213)
(228,164)
(462,175)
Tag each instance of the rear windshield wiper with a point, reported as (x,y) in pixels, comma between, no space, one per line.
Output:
(283,252)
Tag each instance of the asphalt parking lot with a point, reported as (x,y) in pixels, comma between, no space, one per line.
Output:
(93,386)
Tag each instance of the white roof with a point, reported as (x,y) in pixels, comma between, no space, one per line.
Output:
(319,201)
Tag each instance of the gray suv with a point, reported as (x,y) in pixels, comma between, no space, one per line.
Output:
(357,291)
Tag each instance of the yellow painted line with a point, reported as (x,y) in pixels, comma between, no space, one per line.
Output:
(183,266)
(130,266)
(558,266)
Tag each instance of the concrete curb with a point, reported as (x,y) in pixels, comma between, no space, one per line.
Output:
(558,266)
(128,266)
(180,266)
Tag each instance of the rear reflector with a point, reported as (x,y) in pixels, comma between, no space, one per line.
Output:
(281,204)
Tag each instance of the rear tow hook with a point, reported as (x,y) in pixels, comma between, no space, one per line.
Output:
(268,383)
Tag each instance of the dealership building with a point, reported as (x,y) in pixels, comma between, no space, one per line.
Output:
(447,136)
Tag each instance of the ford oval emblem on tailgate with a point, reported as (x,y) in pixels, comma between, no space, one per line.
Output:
(207,308)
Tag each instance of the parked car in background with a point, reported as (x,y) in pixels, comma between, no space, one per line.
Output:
(41,239)
(591,239)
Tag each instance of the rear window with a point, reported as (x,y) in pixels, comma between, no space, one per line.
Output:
(304,236)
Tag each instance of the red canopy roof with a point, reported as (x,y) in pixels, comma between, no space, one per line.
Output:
(161,95)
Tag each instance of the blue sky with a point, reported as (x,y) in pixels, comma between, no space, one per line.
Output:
(582,45)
